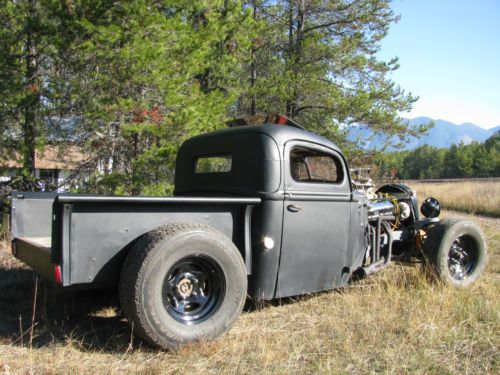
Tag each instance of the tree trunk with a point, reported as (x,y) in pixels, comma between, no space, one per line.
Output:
(32,96)
(253,68)
(298,54)
(289,103)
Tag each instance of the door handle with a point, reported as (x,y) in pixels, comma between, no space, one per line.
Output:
(294,208)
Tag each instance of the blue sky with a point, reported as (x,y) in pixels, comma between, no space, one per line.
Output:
(449,52)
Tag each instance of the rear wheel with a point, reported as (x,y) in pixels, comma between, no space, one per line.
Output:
(182,283)
(455,252)
(193,289)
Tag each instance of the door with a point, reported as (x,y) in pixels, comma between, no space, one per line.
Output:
(315,220)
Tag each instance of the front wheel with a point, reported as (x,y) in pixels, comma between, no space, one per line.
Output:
(182,283)
(455,252)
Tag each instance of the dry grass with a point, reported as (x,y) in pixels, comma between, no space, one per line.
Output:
(393,322)
(467,196)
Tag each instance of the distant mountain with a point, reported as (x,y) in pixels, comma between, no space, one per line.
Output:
(443,134)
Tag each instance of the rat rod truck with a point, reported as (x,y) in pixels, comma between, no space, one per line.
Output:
(269,211)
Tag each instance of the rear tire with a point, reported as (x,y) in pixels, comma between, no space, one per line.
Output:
(182,283)
(455,251)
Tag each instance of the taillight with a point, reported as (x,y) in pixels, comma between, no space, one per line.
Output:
(57,273)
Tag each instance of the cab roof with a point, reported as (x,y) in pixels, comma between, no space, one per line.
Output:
(279,133)
(256,159)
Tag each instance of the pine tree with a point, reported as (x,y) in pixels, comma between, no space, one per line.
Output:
(316,61)
(160,72)
(25,55)
(134,79)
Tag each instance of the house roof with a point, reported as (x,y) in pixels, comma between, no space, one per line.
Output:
(50,157)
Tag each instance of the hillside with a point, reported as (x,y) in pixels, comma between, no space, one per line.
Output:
(443,134)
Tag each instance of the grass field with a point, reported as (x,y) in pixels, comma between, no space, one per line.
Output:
(393,322)
(467,196)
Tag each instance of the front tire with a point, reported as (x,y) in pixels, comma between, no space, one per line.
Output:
(455,252)
(182,283)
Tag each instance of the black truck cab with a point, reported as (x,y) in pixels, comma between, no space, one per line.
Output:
(307,203)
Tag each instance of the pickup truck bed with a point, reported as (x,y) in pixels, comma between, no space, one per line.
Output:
(78,240)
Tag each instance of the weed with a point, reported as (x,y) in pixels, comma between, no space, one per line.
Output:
(392,322)
(481,198)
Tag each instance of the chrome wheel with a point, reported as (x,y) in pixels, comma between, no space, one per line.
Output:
(462,257)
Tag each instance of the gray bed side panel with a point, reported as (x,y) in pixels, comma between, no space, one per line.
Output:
(32,217)
(267,221)
(100,234)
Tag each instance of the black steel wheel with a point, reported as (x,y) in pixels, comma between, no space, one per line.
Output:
(455,252)
(194,289)
(182,283)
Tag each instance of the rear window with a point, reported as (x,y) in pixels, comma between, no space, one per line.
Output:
(213,164)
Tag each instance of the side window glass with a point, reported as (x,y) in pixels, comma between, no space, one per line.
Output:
(314,167)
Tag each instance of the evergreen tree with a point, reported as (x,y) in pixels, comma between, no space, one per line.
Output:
(134,79)
(28,34)
(388,165)
(492,157)
(316,61)
(425,162)
(147,76)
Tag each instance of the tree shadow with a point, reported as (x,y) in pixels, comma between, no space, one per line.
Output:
(252,305)
(15,299)
(87,319)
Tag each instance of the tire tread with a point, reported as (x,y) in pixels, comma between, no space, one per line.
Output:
(133,271)
(434,270)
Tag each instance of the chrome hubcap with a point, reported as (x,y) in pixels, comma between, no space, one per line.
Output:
(185,288)
(462,257)
(193,289)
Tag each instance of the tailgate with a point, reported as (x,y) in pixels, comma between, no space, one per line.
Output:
(31,232)
(36,252)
